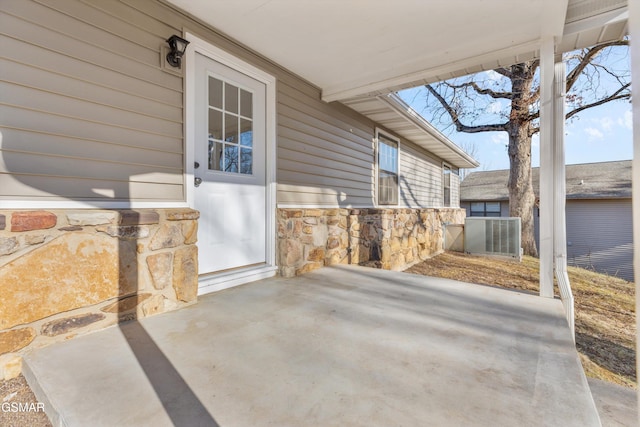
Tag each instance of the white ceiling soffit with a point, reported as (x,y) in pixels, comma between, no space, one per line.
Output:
(590,22)
(395,115)
(350,48)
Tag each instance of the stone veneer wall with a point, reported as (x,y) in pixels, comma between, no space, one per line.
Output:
(392,239)
(64,273)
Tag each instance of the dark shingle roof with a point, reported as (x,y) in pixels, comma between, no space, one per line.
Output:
(605,180)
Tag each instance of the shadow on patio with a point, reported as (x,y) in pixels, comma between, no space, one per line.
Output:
(339,346)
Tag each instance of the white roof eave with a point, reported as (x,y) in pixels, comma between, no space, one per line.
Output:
(456,155)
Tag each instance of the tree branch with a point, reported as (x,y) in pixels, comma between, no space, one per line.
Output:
(585,60)
(615,96)
(481,91)
(460,127)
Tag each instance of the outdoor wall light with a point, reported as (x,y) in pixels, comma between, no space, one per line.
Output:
(178,45)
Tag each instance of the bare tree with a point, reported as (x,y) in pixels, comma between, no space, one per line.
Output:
(471,148)
(507,100)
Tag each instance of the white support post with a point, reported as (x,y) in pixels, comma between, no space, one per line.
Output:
(559,185)
(560,196)
(547,182)
(634,26)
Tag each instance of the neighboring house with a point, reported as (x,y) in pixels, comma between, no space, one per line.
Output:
(598,211)
(129,186)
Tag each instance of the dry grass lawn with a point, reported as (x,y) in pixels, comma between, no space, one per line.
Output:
(604,306)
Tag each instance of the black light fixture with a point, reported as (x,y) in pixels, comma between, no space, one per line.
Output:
(178,45)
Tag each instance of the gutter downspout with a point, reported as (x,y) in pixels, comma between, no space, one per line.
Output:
(553,250)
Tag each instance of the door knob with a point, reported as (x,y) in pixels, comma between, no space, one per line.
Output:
(197,181)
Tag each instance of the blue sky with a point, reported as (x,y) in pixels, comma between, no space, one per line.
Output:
(597,134)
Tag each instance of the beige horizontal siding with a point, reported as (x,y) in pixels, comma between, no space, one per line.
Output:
(125,57)
(51,61)
(86,111)
(47,144)
(455,190)
(121,19)
(420,178)
(38,100)
(48,81)
(47,188)
(50,123)
(300,195)
(325,156)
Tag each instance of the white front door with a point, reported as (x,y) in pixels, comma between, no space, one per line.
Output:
(230,156)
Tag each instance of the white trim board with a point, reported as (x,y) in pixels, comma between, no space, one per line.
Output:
(218,282)
(81,204)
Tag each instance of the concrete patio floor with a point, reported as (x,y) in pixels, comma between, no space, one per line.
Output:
(344,346)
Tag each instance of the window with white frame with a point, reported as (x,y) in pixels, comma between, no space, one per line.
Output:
(446,187)
(387,160)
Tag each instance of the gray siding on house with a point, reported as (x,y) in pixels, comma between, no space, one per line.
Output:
(420,178)
(600,236)
(87,113)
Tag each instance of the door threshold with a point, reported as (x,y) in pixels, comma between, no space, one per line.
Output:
(218,281)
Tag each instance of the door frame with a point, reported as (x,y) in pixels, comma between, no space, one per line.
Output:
(224,280)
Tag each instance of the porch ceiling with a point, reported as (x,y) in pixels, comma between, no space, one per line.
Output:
(361,47)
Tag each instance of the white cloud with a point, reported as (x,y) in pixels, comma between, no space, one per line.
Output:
(593,134)
(626,120)
(500,138)
(606,123)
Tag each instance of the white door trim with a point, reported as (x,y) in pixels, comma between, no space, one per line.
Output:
(221,281)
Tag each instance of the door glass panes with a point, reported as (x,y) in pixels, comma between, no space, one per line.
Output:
(215,124)
(246,160)
(230,158)
(215,155)
(215,93)
(246,133)
(246,103)
(230,128)
(230,98)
